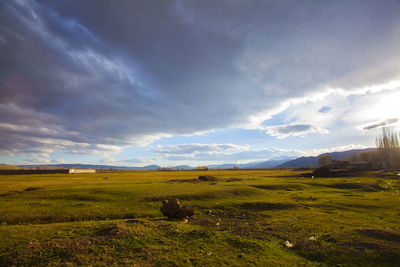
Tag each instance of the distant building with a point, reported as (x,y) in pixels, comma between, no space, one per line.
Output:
(82,171)
(202,168)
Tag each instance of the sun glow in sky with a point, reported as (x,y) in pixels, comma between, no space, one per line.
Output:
(194,82)
(382,107)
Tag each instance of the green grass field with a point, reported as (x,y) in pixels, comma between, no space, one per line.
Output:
(243,219)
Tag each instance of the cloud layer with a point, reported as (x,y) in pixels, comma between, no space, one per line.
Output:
(283,131)
(221,153)
(95,76)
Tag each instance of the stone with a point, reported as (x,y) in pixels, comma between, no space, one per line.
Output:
(288,244)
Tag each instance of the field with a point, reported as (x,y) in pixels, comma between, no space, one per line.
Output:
(242,219)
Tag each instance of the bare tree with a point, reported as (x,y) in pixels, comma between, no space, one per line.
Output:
(389,148)
(366,156)
(324,160)
(372,157)
(353,158)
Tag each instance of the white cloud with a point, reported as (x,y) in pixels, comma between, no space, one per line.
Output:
(316,152)
(374,109)
(133,162)
(110,148)
(348,114)
(198,154)
(323,97)
(193,149)
(34,161)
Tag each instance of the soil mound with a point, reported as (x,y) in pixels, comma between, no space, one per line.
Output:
(174,211)
(322,172)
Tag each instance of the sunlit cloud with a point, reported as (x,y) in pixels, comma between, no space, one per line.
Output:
(192,149)
(198,154)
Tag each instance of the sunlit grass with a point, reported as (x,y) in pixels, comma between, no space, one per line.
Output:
(244,218)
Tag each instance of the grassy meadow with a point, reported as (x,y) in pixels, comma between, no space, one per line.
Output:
(242,219)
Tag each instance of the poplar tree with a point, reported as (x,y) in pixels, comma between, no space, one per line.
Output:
(389,148)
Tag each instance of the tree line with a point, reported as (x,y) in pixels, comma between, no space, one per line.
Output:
(386,155)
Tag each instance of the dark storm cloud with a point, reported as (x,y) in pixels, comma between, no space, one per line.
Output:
(95,75)
(381,124)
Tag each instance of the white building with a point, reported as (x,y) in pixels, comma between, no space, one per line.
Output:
(82,171)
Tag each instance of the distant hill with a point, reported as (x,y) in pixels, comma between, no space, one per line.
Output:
(267,164)
(312,161)
(252,165)
(182,167)
(272,163)
(91,166)
(149,167)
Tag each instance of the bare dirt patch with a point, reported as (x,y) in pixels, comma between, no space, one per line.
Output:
(207,179)
(362,206)
(220,194)
(361,186)
(9,193)
(37,204)
(33,188)
(113,230)
(260,206)
(287,187)
(74,197)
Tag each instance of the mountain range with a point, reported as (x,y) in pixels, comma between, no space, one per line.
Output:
(313,161)
(288,162)
(253,165)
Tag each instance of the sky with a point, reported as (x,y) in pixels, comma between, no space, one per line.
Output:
(205,82)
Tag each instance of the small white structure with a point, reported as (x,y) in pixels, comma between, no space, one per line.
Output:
(82,171)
